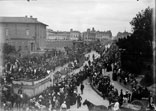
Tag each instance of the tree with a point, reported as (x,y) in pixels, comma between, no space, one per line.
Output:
(142,24)
(67,49)
(7,49)
(143,32)
(138,46)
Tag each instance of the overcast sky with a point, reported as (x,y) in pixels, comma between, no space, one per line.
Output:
(63,15)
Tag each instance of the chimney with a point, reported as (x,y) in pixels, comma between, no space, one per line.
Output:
(71,30)
(31,16)
(26,16)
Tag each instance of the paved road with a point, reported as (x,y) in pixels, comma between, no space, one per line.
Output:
(90,94)
(116,84)
(91,59)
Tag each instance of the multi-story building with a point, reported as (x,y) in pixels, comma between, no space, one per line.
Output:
(27,34)
(91,35)
(61,39)
(57,35)
(63,35)
(122,34)
(75,35)
(103,35)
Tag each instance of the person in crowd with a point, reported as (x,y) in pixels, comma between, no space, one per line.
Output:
(153,107)
(82,88)
(20,90)
(78,99)
(114,77)
(67,99)
(50,105)
(64,94)
(63,106)
(116,105)
(121,97)
(126,97)
(150,99)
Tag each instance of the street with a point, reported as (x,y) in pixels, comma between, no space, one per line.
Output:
(89,93)
(57,55)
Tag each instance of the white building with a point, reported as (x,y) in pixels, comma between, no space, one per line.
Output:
(63,35)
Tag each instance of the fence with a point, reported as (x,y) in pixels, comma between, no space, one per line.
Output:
(33,88)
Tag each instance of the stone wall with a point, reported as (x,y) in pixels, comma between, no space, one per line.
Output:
(32,88)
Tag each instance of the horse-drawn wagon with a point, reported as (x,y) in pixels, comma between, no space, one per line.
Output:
(136,105)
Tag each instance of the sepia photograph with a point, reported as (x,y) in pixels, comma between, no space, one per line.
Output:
(77,55)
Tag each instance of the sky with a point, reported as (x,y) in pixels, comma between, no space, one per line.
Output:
(62,15)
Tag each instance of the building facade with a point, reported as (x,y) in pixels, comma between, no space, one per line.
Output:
(60,39)
(91,35)
(75,35)
(63,35)
(57,35)
(103,35)
(122,34)
(26,34)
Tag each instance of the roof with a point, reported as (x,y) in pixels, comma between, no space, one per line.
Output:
(22,39)
(123,33)
(19,20)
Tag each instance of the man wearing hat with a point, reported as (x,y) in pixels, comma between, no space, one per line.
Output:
(79,98)
(81,88)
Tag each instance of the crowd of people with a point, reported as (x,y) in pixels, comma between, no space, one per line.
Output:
(102,83)
(64,93)
(60,96)
(129,81)
(33,67)
(27,68)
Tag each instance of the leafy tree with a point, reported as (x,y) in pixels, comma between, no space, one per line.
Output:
(67,49)
(143,31)
(138,46)
(7,49)
(142,24)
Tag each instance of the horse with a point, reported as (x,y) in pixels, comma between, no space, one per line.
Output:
(93,107)
(20,100)
(7,106)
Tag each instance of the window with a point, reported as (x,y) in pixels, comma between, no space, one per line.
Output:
(27,32)
(32,46)
(6,32)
